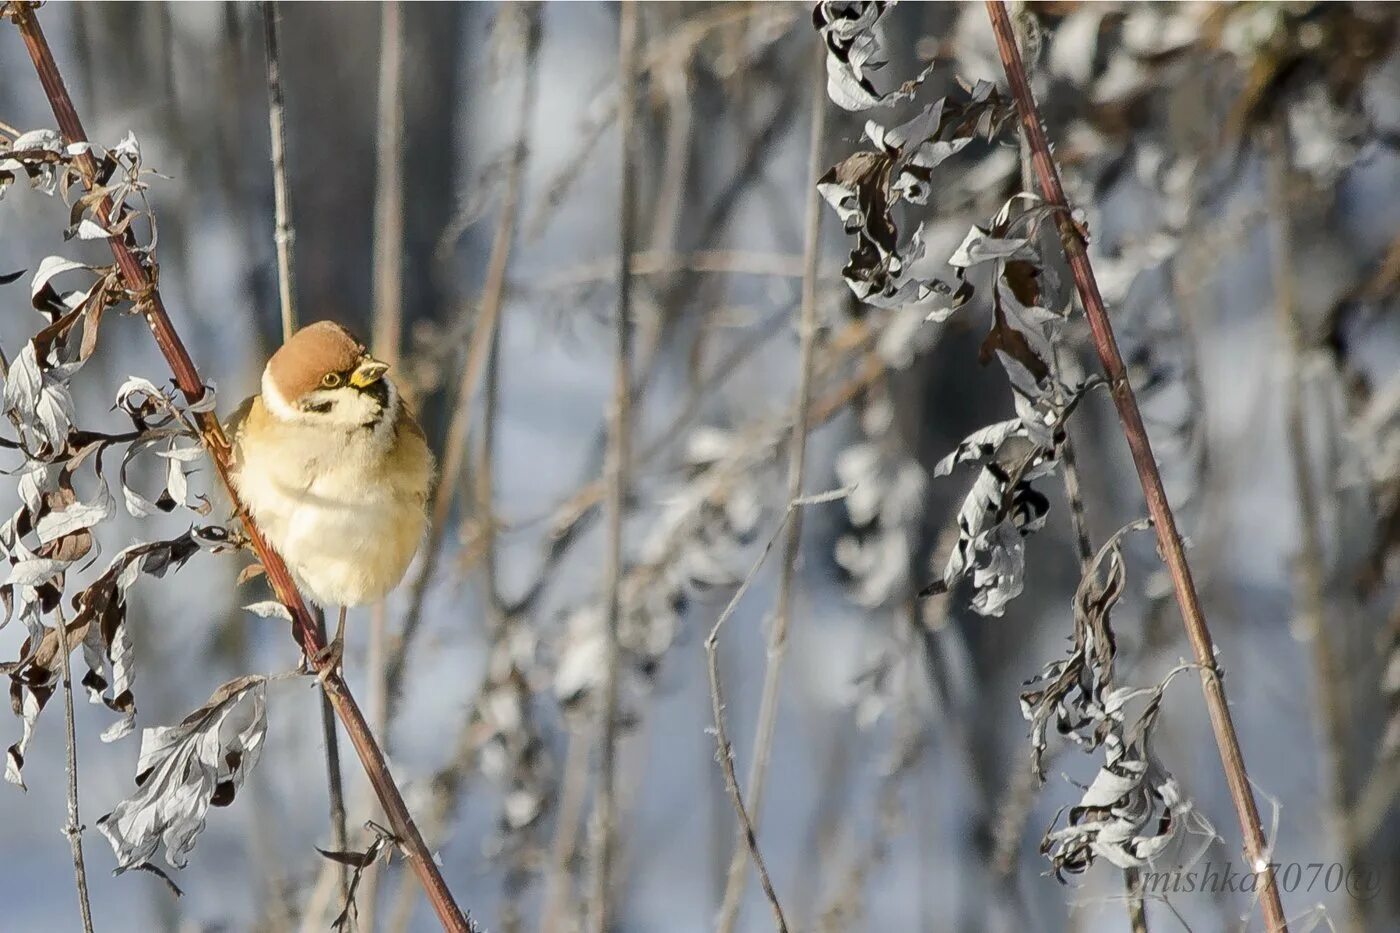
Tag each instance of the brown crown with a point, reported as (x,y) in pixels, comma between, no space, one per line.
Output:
(315,350)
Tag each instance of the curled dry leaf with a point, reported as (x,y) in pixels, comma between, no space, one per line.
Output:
(1133,808)
(99,624)
(1074,692)
(32,682)
(865,189)
(999,511)
(850,30)
(184,770)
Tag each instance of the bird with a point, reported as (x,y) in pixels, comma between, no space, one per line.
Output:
(334,470)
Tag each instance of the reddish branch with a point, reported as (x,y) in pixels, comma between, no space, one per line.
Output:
(139,282)
(1168,538)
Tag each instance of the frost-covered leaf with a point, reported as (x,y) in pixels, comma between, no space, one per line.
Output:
(183,770)
(38,402)
(980,246)
(107,646)
(33,680)
(885,495)
(581,655)
(43,295)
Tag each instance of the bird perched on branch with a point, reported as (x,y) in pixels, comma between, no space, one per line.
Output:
(334,469)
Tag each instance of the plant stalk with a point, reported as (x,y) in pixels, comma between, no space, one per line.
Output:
(73,829)
(1169,540)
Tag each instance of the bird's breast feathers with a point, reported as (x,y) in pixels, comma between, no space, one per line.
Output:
(345,508)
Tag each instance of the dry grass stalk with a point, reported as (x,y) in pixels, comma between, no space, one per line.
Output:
(797,454)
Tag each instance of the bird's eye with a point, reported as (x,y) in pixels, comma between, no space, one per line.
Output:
(330,380)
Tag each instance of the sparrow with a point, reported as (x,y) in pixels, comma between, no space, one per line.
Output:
(334,469)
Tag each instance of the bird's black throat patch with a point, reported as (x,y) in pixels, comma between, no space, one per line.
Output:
(379,391)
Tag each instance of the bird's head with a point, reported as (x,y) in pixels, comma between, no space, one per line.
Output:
(324,376)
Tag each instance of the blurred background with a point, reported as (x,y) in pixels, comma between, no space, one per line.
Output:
(1238,166)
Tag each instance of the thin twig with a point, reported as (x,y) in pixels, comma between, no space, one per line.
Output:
(335,785)
(74,827)
(1173,551)
(619,455)
(797,454)
(388,189)
(284,236)
(1328,681)
(724,750)
(386,336)
(138,281)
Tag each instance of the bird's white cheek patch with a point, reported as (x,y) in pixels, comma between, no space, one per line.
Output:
(276,403)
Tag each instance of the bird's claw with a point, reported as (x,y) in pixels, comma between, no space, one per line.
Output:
(327,661)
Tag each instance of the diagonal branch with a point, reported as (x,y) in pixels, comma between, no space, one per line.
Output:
(1168,537)
(138,280)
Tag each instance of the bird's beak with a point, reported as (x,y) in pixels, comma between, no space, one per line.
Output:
(368,373)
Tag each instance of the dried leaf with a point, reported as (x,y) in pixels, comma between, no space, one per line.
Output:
(998,512)
(1074,692)
(854,52)
(183,770)
(1130,812)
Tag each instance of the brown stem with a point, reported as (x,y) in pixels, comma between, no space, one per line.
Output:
(388,190)
(1168,537)
(724,749)
(191,385)
(564,847)
(386,338)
